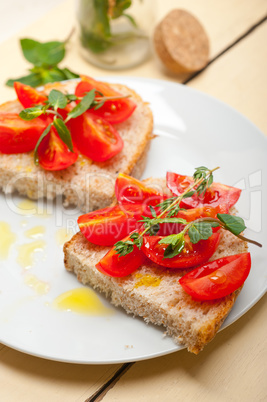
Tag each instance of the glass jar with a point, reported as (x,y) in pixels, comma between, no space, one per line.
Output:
(114,34)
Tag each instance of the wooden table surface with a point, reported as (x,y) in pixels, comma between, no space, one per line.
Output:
(232,367)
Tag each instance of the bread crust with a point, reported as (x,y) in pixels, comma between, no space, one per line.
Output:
(154,293)
(88,184)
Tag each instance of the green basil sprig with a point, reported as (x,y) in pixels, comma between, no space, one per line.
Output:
(200,229)
(45,58)
(59,100)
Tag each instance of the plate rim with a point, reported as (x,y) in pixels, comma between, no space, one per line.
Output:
(127,80)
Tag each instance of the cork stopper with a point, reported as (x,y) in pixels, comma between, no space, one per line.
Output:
(181,42)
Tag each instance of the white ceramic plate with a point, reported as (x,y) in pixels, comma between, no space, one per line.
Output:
(193,129)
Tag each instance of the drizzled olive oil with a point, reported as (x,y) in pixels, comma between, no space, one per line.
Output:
(35,232)
(40,287)
(7,238)
(81,301)
(26,253)
(62,236)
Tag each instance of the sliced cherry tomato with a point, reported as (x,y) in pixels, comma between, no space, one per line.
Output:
(189,215)
(191,256)
(54,154)
(28,96)
(95,137)
(218,278)
(129,190)
(17,135)
(114,265)
(106,226)
(114,111)
(217,195)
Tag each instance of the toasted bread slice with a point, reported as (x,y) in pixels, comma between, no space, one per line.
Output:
(88,184)
(154,293)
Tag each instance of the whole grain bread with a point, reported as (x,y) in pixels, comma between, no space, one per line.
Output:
(88,184)
(154,293)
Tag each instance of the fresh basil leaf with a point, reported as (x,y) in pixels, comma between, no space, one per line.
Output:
(57,99)
(205,229)
(194,235)
(201,189)
(43,135)
(187,195)
(71,97)
(171,239)
(131,19)
(153,230)
(134,235)
(172,251)
(99,105)
(174,210)
(30,49)
(101,23)
(85,103)
(214,224)
(146,219)
(153,212)
(95,42)
(63,132)
(200,231)
(31,112)
(166,203)
(34,80)
(69,75)
(210,181)
(138,240)
(234,224)
(52,75)
(119,7)
(200,172)
(51,53)
(43,54)
(124,247)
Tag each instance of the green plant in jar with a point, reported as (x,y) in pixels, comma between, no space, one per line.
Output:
(106,24)
(96,18)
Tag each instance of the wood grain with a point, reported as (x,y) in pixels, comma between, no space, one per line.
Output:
(225,21)
(239,77)
(28,378)
(231,368)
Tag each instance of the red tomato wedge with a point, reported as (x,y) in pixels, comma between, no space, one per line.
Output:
(114,111)
(191,256)
(106,226)
(189,215)
(28,96)
(217,195)
(218,278)
(17,135)
(54,154)
(118,266)
(95,137)
(129,190)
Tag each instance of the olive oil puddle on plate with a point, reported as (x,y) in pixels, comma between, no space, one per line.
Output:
(81,301)
(26,253)
(29,208)
(35,232)
(62,236)
(7,238)
(40,287)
